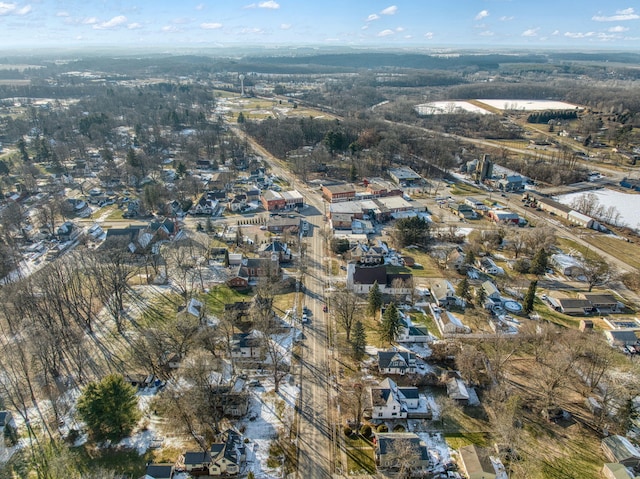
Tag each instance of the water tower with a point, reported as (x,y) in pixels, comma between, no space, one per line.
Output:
(241,77)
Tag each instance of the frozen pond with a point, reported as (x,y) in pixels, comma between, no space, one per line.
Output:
(447,107)
(628,204)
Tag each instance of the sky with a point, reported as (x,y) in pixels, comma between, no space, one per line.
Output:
(536,24)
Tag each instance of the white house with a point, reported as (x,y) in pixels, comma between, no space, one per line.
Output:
(388,401)
(396,362)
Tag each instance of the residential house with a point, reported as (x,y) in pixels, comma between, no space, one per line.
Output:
(228,455)
(159,471)
(237,277)
(463,210)
(476,204)
(490,267)
(571,306)
(396,362)
(360,279)
(205,206)
(447,322)
(194,308)
(68,232)
(603,303)
(620,449)
(409,333)
(457,259)
(237,203)
(196,462)
(272,200)
(386,451)
(338,192)
(614,470)
(443,293)
(78,207)
(257,268)
(404,176)
(503,216)
(279,248)
(478,464)
(491,290)
(621,337)
(457,390)
(389,401)
(238,310)
(246,345)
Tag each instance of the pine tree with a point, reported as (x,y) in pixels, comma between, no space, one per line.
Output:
(463,291)
(391,324)
(358,340)
(109,408)
(374,300)
(527,306)
(539,262)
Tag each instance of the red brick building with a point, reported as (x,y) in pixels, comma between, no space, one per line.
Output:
(340,192)
(272,200)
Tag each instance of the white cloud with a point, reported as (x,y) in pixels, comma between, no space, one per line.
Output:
(482,14)
(428,35)
(620,16)
(62,14)
(170,29)
(134,26)
(618,29)
(372,17)
(400,29)
(285,26)
(211,26)
(115,22)
(408,37)
(556,33)
(258,31)
(389,10)
(12,9)
(200,7)
(532,32)
(579,34)
(487,33)
(270,4)
(506,19)
(90,21)
(385,33)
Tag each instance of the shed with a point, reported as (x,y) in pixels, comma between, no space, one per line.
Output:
(614,470)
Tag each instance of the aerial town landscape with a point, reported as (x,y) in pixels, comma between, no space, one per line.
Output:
(319,262)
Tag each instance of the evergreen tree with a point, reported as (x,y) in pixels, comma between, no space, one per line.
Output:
(241,118)
(375,300)
(527,306)
(481,295)
(462,290)
(22,148)
(539,262)
(358,340)
(470,258)
(391,324)
(109,408)
(353,173)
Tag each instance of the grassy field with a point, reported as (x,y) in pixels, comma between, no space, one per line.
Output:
(464,189)
(360,458)
(627,252)
(426,266)
(222,294)
(427,321)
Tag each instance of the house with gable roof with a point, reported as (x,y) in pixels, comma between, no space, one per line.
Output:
(385,449)
(159,471)
(396,362)
(388,401)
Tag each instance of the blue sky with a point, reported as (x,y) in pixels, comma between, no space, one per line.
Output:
(584,24)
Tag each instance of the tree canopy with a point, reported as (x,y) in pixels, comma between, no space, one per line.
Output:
(109,408)
(412,231)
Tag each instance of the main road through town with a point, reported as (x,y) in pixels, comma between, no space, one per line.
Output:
(316,426)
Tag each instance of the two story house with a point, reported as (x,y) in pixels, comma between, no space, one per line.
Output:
(396,362)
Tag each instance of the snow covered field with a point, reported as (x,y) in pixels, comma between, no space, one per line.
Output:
(448,107)
(529,105)
(627,204)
